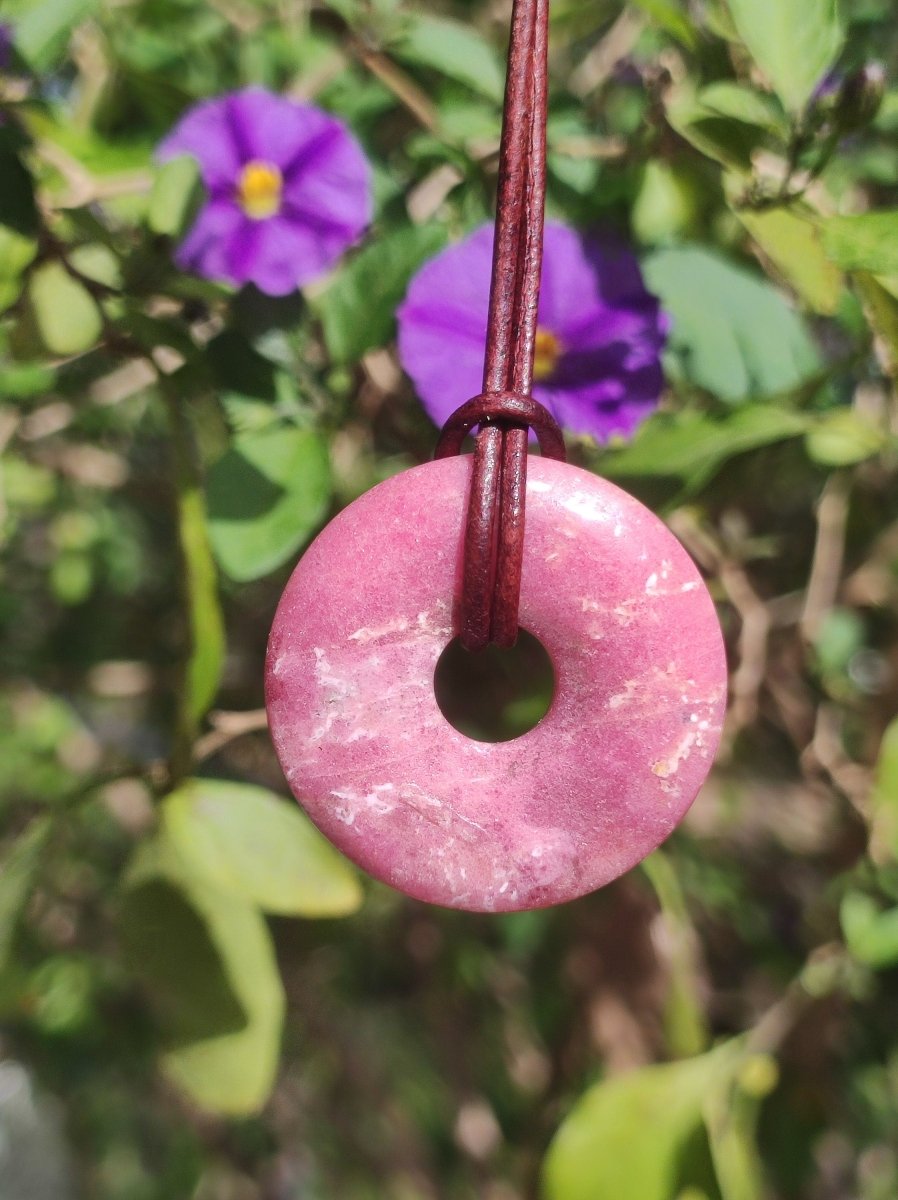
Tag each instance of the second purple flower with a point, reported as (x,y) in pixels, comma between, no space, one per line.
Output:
(289,190)
(598,345)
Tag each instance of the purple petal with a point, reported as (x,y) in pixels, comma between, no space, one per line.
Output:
(326,201)
(593,299)
(281,254)
(205,133)
(442,325)
(327,183)
(207,250)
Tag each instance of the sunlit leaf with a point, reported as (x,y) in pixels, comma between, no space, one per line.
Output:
(668,204)
(692,446)
(209,965)
(723,139)
(868,242)
(455,50)
(743,103)
(884,799)
(871,934)
(358,310)
(733,333)
(794,245)
(626,1138)
(843,437)
(250,842)
(266,496)
(205,660)
(43,29)
(67,316)
(672,16)
(731,1111)
(794,42)
(176,195)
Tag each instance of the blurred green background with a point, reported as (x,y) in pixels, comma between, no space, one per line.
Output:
(198,997)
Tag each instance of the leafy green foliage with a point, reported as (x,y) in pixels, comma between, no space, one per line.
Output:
(694,446)
(67,316)
(794,42)
(208,960)
(43,28)
(871,935)
(733,334)
(632,1136)
(266,495)
(176,195)
(885,797)
(454,50)
(251,843)
(358,310)
(868,242)
(793,244)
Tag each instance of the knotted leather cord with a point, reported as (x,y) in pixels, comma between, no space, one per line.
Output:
(494,533)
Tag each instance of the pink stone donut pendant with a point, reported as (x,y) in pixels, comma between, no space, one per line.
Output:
(640,685)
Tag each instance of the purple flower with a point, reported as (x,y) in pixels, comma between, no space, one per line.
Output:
(597,365)
(289,189)
(5,45)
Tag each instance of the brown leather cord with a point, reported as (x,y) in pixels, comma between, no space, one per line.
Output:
(494,534)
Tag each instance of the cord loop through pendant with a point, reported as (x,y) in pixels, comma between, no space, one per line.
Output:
(494,536)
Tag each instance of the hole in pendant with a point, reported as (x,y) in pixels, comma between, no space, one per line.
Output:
(495,695)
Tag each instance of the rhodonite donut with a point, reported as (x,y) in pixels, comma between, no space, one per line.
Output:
(640,684)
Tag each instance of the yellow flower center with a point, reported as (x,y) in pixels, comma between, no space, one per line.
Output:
(546,352)
(259,189)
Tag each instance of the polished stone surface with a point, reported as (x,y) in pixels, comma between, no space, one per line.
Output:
(594,787)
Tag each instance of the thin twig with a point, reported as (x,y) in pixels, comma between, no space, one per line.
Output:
(227,727)
(601,60)
(829,555)
(395,80)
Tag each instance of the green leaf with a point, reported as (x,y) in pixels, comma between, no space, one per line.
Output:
(17,879)
(95,261)
(795,247)
(722,139)
(670,15)
(863,243)
(794,42)
(733,334)
(358,310)
(627,1137)
(455,50)
(668,204)
(67,316)
(742,103)
(43,29)
(731,1112)
(16,253)
(685,1025)
(207,958)
(881,310)
(267,495)
(871,935)
(251,843)
(177,194)
(20,381)
(207,632)
(884,799)
(842,438)
(693,446)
